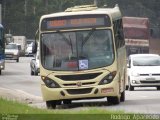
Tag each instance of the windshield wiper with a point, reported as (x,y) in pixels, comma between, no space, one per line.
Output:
(69,42)
(64,38)
(88,36)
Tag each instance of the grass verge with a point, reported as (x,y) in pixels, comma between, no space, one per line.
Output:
(12,110)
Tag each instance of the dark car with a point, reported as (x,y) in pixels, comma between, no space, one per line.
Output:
(34,64)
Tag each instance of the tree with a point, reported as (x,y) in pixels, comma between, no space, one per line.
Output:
(21,17)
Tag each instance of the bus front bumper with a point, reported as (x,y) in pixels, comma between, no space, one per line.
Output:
(75,93)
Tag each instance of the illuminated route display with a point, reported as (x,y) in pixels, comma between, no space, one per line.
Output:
(75,22)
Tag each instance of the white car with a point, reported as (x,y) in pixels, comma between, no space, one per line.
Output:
(143,71)
(12,52)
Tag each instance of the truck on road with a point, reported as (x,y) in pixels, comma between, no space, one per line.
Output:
(137,34)
(21,40)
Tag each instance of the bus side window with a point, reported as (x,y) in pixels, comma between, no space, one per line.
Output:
(118,32)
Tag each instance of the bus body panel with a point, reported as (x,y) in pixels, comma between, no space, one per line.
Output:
(111,89)
(121,54)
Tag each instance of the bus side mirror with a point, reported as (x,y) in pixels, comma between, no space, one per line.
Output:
(34,47)
(35,43)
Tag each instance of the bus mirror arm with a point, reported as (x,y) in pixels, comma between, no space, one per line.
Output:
(35,45)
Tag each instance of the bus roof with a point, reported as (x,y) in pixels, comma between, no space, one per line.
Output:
(114,13)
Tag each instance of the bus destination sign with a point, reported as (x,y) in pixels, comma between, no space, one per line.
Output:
(75,22)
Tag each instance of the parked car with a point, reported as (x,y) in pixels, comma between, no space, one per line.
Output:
(34,64)
(12,52)
(143,71)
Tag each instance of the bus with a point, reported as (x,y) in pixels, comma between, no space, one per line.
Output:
(82,55)
(2,49)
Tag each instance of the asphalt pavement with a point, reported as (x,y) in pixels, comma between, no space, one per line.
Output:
(16,76)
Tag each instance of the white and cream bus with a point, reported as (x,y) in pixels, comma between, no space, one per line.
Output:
(82,55)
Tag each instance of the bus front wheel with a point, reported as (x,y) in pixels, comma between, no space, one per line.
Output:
(158,88)
(122,98)
(52,104)
(113,99)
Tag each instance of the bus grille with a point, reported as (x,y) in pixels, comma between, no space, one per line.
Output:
(74,84)
(78,77)
(79,91)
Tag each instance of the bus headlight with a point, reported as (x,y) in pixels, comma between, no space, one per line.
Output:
(108,79)
(50,83)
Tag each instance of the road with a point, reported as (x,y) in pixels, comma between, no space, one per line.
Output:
(17,76)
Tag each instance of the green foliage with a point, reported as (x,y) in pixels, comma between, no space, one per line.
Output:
(13,107)
(21,17)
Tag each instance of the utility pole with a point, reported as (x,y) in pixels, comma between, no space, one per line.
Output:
(25,7)
(0,11)
(34,10)
(25,16)
(46,5)
(95,2)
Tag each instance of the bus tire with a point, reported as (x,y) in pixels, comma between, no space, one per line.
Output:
(122,98)
(113,100)
(158,88)
(51,104)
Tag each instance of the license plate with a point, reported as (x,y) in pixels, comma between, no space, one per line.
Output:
(106,90)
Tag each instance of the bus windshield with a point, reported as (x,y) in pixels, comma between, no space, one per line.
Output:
(77,50)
